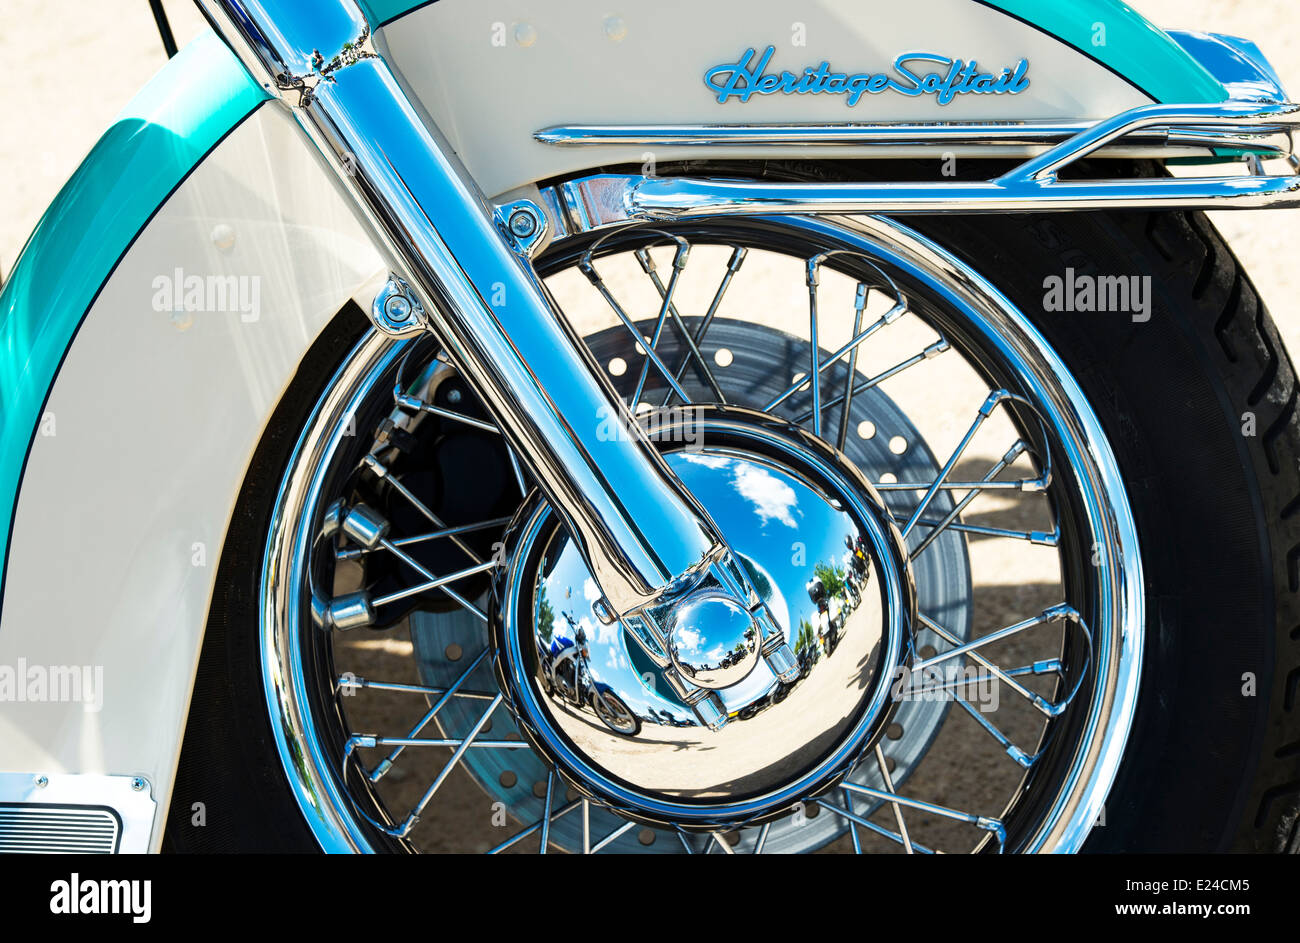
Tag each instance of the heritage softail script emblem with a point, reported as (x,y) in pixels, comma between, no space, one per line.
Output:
(946,78)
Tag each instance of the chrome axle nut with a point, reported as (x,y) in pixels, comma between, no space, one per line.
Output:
(715,641)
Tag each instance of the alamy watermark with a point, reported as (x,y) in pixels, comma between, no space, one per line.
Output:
(946,682)
(1126,294)
(78,895)
(63,684)
(663,424)
(209,294)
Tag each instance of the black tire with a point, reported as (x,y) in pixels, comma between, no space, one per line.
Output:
(1209,766)
(598,698)
(229,767)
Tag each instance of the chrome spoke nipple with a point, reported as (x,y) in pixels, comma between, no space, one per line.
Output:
(366,526)
(860,296)
(350,611)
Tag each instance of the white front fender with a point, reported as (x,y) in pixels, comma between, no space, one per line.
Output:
(144,444)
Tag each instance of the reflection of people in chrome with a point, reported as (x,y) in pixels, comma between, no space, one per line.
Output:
(857,569)
(566,673)
(825,627)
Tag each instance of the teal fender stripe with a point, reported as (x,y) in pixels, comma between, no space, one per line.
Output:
(162,135)
(1134,49)
(380,12)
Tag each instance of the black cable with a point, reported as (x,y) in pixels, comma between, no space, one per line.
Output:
(164,28)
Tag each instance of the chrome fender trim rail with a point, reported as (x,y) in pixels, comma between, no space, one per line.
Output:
(1032,186)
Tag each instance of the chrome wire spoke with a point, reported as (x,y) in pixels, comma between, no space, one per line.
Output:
(464,603)
(353,553)
(722,843)
(357,684)
(817,365)
(432,582)
(414,815)
(1012,454)
(381,471)
(846,411)
(415,403)
(1005,677)
(612,836)
(546,813)
(987,823)
(1017,755)
(543,824)
(869,825)
(666,304)
(665,293)
(370,740)
(1020,757)
(761,842)
(1041,538)
(379,771)
(738,255)
(589,270)
(898,809)
(1019,484)
(517,471)
(814,372)
(460,747)
(1062,612)
(368,528)
(986,410)
(990,482)
(1047,666)
(850,348)
(929,353)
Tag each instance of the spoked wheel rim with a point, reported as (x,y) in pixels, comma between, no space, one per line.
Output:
(1058,798)
(614,713)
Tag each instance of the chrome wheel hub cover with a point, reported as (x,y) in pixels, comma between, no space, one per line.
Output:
(826,559)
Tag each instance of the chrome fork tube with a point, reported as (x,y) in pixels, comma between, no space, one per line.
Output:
(638,527)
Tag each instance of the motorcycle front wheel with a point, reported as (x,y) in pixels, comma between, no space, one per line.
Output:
(1129,515)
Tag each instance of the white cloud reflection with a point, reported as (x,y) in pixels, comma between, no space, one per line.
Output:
(773,498)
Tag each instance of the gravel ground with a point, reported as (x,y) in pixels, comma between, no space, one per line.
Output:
(74,63)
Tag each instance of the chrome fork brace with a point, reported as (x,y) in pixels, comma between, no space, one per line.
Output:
(461,272)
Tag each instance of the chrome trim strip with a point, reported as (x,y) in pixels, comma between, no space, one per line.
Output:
(1032,186)
(884,138)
